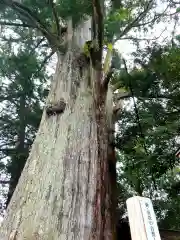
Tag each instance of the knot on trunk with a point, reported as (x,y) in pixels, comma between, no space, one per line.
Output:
(54,108)
(81,61)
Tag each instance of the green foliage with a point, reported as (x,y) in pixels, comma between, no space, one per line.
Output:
(148,162)
(120,18)
(77,9)
(21,98)
(178,9)
(116,21)
(44,16)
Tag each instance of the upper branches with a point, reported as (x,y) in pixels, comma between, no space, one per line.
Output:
(133,15)
(26,13)
(55,15)
(5,23)
(30,19)
(135,22)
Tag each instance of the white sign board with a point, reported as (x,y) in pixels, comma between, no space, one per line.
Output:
(142,219)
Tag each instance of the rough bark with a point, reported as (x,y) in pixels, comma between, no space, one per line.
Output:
(64,191)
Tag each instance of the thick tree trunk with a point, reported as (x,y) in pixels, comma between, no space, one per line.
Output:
(64,191)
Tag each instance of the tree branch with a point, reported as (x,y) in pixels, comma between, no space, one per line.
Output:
(4,181)
(151,96)
(16,24)
(43,63)
(6,150)
(121,96)
(143,39)
(29,15)
(38,44)
(10,39)
(55,17)
(135,21)
(47,58)
(157,16)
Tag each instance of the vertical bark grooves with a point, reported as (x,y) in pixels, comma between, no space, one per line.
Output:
(102,214)
(63,192)
(112,165)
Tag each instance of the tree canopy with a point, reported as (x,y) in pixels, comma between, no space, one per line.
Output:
(148,132)
(23,90)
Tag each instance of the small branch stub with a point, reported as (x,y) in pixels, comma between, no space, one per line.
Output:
(13,235)
(56,108)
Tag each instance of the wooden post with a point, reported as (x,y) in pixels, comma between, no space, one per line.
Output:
(142,219)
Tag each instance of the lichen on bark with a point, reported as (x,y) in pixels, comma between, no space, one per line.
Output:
(64,190)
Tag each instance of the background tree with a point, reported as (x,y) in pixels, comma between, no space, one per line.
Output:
(22,95)
(149,135)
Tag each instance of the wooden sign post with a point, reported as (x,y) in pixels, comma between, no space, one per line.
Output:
(142,219)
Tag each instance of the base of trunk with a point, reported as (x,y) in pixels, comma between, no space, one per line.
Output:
(65,189)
